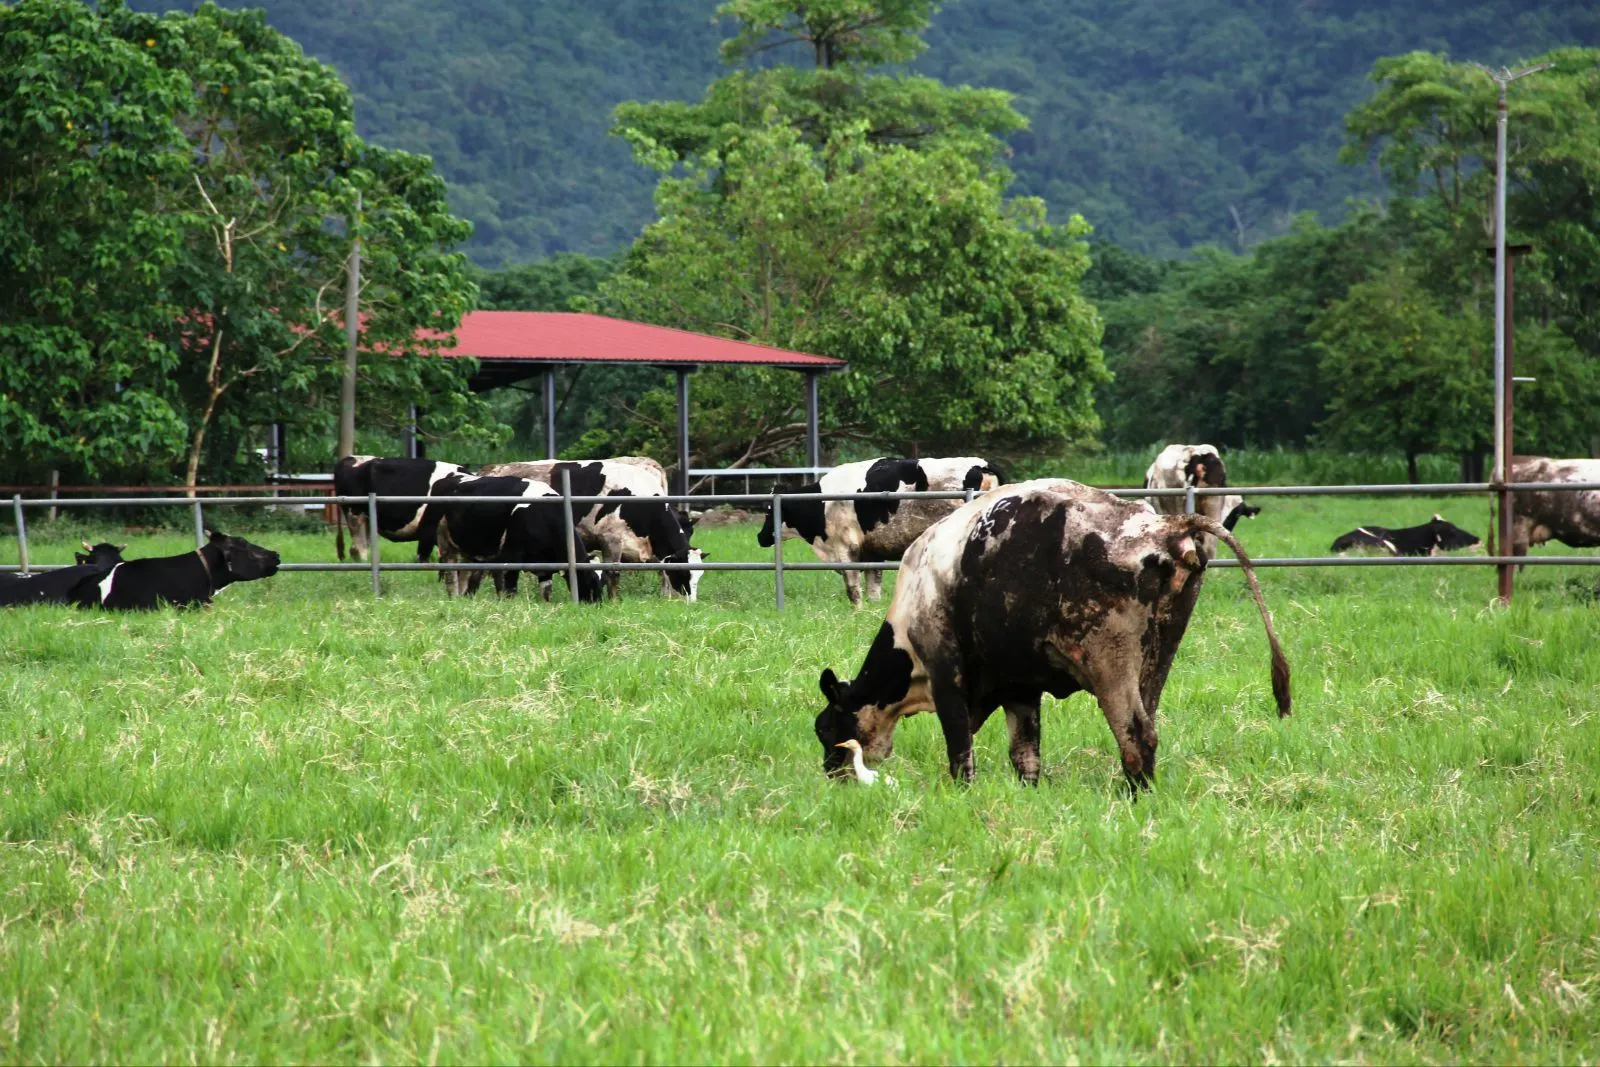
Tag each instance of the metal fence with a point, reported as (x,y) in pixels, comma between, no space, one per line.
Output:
(778,565)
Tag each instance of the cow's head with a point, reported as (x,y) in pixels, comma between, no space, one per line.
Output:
(245,561)
(804,517)
(1448,537)
(1204,469)
(868,709)
(1234,508)
(104,555)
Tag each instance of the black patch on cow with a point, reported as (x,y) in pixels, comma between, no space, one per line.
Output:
(588,479)
(1240,511)
(994,521)
(1155,573)
(886,476)
(885,678)
(974,477)
(804,517)
(1205,470)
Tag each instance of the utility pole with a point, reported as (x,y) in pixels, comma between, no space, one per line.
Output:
(1502,457)
(352,333)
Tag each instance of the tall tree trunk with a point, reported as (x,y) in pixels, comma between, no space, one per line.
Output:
(1411,467)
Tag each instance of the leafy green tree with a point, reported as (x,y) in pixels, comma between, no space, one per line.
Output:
(86,147)
(961,326)
(1403,374)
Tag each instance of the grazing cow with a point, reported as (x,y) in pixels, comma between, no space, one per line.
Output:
(534,533)
(1234,508)
(872,531)
(1182,466)
(1045,586)
(55,587)
(361,475)
(1569,516)
(639,532)
(182,580)
(1428,539)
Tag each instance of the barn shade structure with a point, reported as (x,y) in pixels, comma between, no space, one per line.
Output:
(514,346)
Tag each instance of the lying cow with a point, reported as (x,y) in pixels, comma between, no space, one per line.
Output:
(534,533)
(1569,516)
(1428,539)
(642,532)
(362,475)
(844,531)
(1183,466)
(1042,587)
(182,580)
(55,587)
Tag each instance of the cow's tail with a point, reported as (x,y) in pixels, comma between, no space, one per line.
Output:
(338,526)
(1280,664)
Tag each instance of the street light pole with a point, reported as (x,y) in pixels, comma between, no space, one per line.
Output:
(1502,460)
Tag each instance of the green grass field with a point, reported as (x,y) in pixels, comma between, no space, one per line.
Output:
(307,825)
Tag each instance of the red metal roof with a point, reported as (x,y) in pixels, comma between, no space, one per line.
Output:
(576,337)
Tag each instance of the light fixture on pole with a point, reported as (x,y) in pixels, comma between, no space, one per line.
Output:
(1502,460)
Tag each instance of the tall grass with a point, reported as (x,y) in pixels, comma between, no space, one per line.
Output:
(309,825)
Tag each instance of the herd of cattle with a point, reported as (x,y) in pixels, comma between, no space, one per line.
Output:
(1044,586)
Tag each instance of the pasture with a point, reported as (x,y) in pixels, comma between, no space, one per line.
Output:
(307,825)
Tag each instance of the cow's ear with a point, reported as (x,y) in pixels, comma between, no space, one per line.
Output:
(215,535)
(123,548)
(829,683)
(1437,517)
(87,547)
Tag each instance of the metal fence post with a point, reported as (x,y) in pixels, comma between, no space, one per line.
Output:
(777,547)
(1188,500)
(571,523)
(22,533)
(372,543)
(199,525)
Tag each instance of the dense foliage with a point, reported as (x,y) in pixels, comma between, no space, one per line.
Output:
(1165,123)
(181,193)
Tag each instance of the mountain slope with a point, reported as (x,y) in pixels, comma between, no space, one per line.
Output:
(1168,123)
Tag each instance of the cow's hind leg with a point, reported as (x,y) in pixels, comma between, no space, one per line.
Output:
(1133,729)
(1023,721)
(852,587)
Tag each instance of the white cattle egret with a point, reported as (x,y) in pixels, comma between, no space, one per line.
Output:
(864,774)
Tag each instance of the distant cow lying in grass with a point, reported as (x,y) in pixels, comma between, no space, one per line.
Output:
(182,580)
(1041,587)
(55,587)
(1428,539)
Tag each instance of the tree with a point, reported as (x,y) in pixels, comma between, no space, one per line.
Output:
(1402,374)
(960,324)
(225,163)
(86,146)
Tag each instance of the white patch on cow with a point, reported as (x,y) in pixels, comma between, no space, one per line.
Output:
(106,582)
(695,556)
(440,470)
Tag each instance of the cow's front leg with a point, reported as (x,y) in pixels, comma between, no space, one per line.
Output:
(1023,721)
(874,585)
(852,587)
(1132,727)
(950,704)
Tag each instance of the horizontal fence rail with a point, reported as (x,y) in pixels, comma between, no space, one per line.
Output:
(774,501)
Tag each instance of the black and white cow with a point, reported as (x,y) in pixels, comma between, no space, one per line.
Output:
(1569,516)
(182,580)
(1182,466)
(643,531)
(872,531)
(361,475)
(485,532)
(55,587)
(1045,586)
(1428,539)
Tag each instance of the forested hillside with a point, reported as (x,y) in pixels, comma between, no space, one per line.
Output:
(1167,123)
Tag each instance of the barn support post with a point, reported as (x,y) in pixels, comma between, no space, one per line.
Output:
(683,436)
(22,533)
(572,545)
(372,543)
(352,335)
(813,434)
(550,413)
(1505,573)
(409,437)
(777,548)
(199,526)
